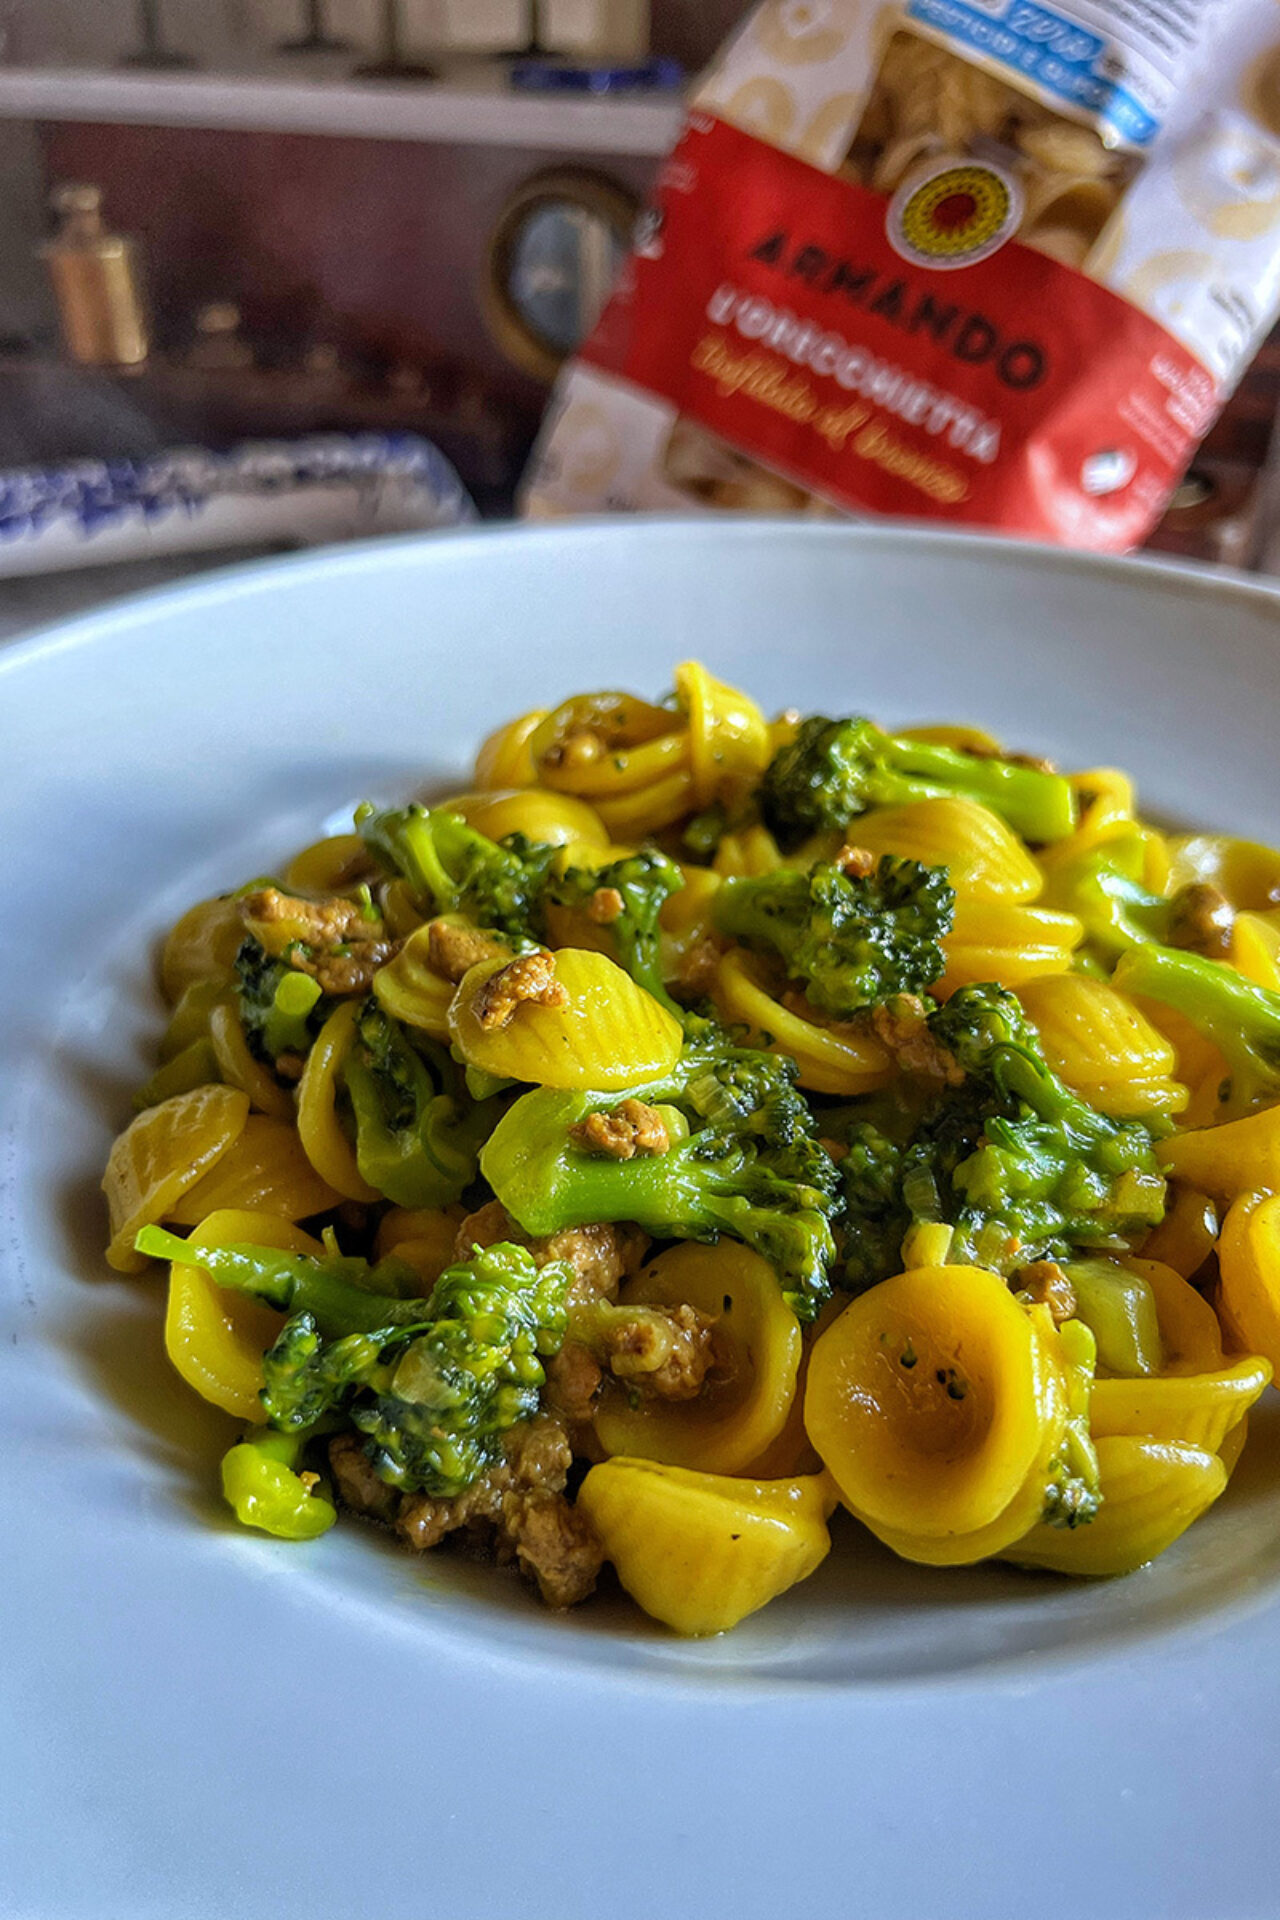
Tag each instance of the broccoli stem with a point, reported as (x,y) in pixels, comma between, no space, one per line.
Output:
(329,1289)
(1040,806)
(1242,1020)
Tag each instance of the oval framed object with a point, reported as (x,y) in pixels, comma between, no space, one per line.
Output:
(552,261)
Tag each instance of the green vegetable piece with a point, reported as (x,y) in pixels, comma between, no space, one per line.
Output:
(418,1133)
(1016,1163)
(749,1164)
(435,1399)
(852,943)
(195,1066)
(263,1490)
(1119,1309)
(834,770)
(282,1009)
(1074,1491)
(644,882)
(453,869)
(1241,1019)
(1103,887)
(344,1294)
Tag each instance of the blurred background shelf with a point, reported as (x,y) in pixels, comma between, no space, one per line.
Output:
(473,105)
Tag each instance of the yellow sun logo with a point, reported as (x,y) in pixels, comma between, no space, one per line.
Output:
(956,215)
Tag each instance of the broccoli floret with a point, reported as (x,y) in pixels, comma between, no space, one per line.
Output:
(281,1008)
(434,1384)
(851,942)
(872,1174)
(644,882)
(834,770)
(262,1486)
(1242,1020)
(1012,1160)
(453,869)
(749,1165)
(433,1399)
(418,1133)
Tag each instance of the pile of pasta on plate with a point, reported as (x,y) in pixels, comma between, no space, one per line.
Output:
(708,1122)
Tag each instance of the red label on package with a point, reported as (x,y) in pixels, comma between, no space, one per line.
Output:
(900,356)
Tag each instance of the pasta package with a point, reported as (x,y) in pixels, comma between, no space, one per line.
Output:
(990,262)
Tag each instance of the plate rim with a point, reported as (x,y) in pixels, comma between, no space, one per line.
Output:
(223,584)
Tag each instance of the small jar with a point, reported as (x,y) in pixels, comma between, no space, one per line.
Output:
(97,282)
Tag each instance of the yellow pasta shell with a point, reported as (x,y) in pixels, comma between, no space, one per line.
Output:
(1106,800)
(729,746)
(1198,1408)
(423,1236)
(319,1129)
(758,1347)
(1102,1046)
(610,1035)
(1010,944)
(963,739)
(163,1152)
(330,866)
(216,1337)
(1240,1156)
(700,1552)
(409,988)
(240,1067)
(1152,1491)
(1234,1444)
(831,1059)
(505,759)
(1188,1233)
(931,1403)
(548,819)
(1255,949)
(745,854)
(1022,1511)
(1190,1337)
(984,859)
(202,946)
(264,1170)
(400,909)
(1247,872)
(607,743)
(1249,1263)
(635,815)
(189,1020)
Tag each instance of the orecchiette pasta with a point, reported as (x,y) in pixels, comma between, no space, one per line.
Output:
(752,1382)
(1102,1046)
(166,1150)
(264,1170)
(830,1058)
(985,861)
(1152,1491)
(216,1339)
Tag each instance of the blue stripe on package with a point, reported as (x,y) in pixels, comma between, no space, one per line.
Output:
(1061,56)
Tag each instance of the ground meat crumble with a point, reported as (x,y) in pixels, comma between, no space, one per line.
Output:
(531,978)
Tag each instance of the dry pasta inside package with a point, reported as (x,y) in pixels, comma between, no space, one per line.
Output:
(997,263)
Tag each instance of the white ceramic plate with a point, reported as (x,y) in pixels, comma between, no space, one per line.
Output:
(203,1725)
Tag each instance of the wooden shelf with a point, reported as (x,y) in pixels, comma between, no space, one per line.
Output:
(470,105)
